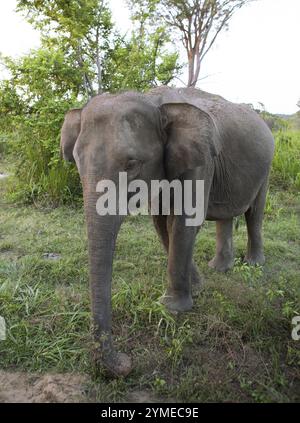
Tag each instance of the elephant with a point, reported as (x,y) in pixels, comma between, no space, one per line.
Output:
(168,134)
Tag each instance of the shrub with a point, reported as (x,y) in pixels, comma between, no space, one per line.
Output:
(41,174)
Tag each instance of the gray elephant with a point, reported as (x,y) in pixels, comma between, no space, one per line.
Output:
(168,133)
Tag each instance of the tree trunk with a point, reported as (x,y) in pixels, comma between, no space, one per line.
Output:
(191,59)
(194,61)
(99,62)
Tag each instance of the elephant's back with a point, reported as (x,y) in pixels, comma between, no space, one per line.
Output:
(244,161)
(233,121)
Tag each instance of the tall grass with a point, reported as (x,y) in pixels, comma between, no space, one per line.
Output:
(286,163)
(43,178)
(41,175)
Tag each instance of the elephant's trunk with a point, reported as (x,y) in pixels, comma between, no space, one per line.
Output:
(102,234)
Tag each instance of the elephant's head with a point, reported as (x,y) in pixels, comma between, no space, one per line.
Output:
(148,140)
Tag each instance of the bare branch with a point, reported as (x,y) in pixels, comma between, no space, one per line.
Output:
(200,22)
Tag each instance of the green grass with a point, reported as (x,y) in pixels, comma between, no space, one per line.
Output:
(235,345)
(286,163)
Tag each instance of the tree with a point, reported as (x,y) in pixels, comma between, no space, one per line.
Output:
(199,22)
(144,60)
(107,60)
(83,27)
(81,55)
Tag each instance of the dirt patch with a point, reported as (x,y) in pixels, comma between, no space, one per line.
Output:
(17,387)
(33,388)
(52,256)
(143,397)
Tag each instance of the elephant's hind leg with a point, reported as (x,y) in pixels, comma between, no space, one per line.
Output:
(254,219)
(224,258)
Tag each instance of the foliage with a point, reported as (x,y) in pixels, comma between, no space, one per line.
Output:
(286,163)
(247,272)
(143,61)
(43,85)
(84,27)
(110,61)
(275,123)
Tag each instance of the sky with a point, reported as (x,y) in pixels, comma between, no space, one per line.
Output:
(256,60)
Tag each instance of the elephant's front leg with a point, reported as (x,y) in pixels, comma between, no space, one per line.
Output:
(182,237)
(178,297)
(160,224)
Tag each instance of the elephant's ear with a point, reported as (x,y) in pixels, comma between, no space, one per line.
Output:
(69,133)
(192,138)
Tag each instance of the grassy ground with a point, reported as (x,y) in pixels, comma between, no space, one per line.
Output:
(235,345)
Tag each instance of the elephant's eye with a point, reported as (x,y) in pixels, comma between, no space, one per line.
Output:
(132,164)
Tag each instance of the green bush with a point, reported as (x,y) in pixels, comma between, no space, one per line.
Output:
(33,103)
(41,173)
(286,164)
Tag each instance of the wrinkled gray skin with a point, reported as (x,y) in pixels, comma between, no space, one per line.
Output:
(168,134)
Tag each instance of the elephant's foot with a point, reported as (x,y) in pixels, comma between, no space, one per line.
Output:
(115,364)
(255,259)
(222,263)
(177,303)
(120,365)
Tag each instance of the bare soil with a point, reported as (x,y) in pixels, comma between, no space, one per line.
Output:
(16,387)
(19,387)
